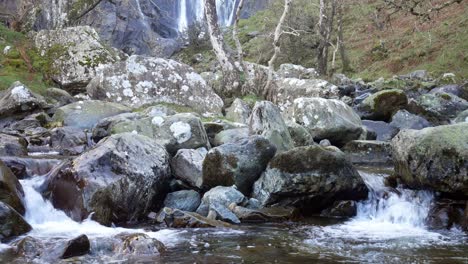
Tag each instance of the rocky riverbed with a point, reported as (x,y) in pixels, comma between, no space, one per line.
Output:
(139,159)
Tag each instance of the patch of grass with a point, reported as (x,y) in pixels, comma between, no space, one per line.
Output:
(22,63)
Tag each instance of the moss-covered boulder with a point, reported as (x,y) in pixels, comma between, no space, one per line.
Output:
(239,163)
(11,223)
(310,178)
(382,105)
(74,54)
(86,114)
(266,120)
(462,117)
(120,180)
(11,191)
(434,158)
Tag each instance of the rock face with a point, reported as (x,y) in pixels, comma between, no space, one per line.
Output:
(11,192)
(187,166)
(327,119)
(12,146)
(144,80)
(239,163)
(382,105)
(18,100)
(434,158)
(309,178)
(11,223)
(109,178)
(290,89)
(266,120)
(86,114)
(76,53)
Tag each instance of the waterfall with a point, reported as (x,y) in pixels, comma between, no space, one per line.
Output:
(190,11)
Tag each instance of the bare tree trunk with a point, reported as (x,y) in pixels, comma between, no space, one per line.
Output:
(231,78)
(277,48)
(240,52)
(344,57)
(325,29)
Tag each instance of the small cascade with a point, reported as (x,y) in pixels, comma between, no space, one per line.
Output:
(182,21)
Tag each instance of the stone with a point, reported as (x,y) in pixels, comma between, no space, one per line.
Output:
(266,120)
(341,209)
(309,178)
(239,163)
(270,214)
(78,246)
(18,100)
(223,196)
(405,120)
(187,166)
(299,135)
(30,122)
(175,218)
(433,158)
(327,119)
(68,141)
(29,247)
(223,213)
(438,108)
(382,130)
(12,224)
(11,191)
(230,136)
(290,89)
(76,53)
(369,152)
(462,117)
(140,81)
(382,105)
(185,200)
(86,114)
(446,214)
(139,245)
(239,111)
(119,180)
(61,97)
(296,71)
(13,146)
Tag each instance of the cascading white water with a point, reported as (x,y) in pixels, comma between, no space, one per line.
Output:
(191,11)
(48,222)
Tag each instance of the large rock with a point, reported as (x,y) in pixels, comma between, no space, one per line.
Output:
(86,114)
(462,117)
(138,244)
(185,200)
(230,136)
(438,108)
(144,80)
(75,54)
(290,89)
(405,120)
(77,246)
(239,163)
(296,71)
(187,166)
(19,100)
(218,200)
(266,120)
(11,191)
(309,178)
(434,158)
(11,223)
(327,119)
(300,136)
(383,131)
(382,105)
(12,146)
(369,152)
(68,140)
(119,180)
(239,111)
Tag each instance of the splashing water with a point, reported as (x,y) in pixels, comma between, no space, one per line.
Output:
(389,220)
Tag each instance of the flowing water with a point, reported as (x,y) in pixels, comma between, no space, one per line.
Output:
(190,11)
(389,228)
